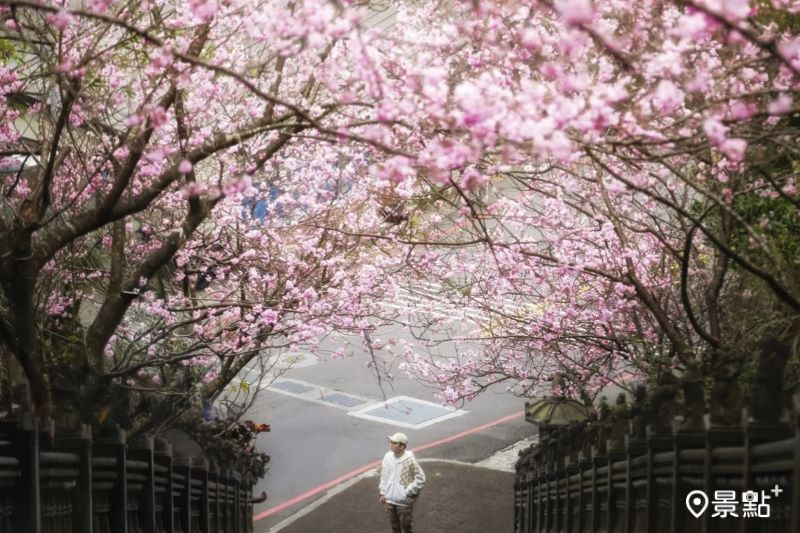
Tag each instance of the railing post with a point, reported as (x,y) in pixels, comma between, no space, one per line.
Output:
(147,510)
(572,503)
(635,447)
(80,443)
(237,495)
(552,497)
(561,503)
(28,502)
(214,476)
(747,461)
(716,437)
(682,440)
(251,484)
(202,475)
(517,504)
(712,436)
(536,497)
(583,465)
(523,526)
(223,484)
(541,509)
(756,432)
(610,507)
(535,518)
(627,517)
(650,499)
(248,507)
(595,500)
(656,442)
(119,496)
(244,498)
(549,515)
(162,455)
(614,455)
(184,467)
(673,515)
(796,473)
(527,526)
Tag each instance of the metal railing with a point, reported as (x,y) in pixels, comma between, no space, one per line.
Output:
(77,483)
(642,487)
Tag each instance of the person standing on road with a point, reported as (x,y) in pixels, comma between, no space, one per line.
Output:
(402,480)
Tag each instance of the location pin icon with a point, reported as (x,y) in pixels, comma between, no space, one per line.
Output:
(697,502)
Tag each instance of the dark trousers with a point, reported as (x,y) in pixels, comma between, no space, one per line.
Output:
(400,518)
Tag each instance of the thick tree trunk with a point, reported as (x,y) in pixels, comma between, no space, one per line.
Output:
(19,392)
(18,280)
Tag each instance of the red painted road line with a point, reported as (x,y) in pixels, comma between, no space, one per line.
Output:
(468,432)
(297,499)
(326,486)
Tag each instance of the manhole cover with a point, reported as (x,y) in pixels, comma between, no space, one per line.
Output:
(408,412)
(291,386)
(342,399)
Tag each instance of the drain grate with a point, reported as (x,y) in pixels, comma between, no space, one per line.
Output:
(408,412)
(291,386)
(320,395)
(342,400)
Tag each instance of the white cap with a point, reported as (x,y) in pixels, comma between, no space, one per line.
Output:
(398,437)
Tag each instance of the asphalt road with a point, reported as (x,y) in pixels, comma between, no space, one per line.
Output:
(314,442)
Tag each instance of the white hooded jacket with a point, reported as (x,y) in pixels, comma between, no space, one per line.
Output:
(401,478)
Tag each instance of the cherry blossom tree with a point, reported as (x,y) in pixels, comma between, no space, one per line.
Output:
(137,139)
(622,172)
(654,143)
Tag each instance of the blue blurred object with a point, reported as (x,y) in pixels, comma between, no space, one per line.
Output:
(257,207)
(208,407)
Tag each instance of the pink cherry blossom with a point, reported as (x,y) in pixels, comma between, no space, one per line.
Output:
(121,153)
(715,131)
(472,179)
(396,169)
(158,117)
(575,12)
(100,6)
(734,149)
(736,10)
(792,6)
(668,96)
(204,9)
(782,104)
(61,19)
